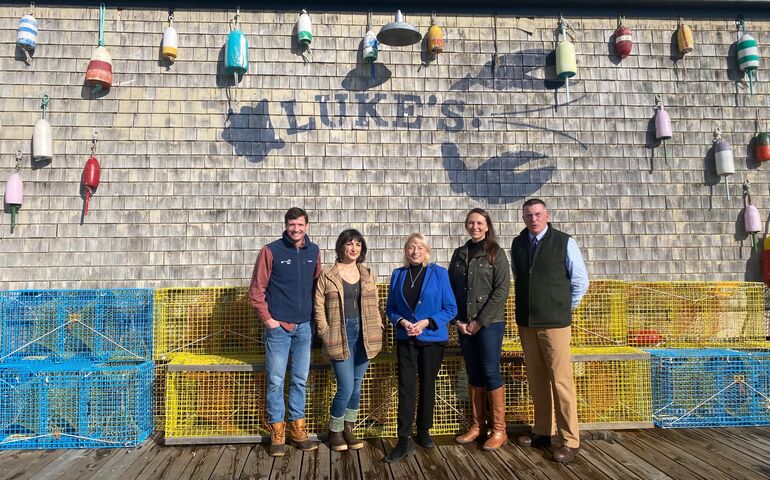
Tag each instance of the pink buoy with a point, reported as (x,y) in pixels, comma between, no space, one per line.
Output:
(662,125)
(14,195)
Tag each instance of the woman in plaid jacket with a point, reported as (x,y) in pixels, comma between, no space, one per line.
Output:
(350,327)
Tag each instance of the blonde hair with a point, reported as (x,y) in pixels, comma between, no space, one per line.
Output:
(419,238)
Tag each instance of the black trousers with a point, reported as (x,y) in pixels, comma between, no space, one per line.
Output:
(423,362)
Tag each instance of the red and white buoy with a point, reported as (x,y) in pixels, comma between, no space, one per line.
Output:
(623,40)
(99,73)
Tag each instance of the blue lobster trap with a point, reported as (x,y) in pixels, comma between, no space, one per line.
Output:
(75,404)
(98,325)
(710,388)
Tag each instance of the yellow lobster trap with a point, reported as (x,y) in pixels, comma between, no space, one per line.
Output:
(206,320)
(612,386)
(216,399)
(696,314)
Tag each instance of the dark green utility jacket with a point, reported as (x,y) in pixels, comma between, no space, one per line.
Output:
(481,290)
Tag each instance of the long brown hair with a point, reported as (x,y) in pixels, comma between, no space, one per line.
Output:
(491,247)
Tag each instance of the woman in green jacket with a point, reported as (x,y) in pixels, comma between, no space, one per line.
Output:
(481,278)
(350,327)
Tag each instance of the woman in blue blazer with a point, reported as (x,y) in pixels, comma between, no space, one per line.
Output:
(420,305)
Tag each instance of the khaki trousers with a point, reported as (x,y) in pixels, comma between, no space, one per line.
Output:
(549,373)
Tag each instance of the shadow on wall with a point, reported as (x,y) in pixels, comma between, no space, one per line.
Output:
(251,132)
(533,69)
(499,179)
(365,75)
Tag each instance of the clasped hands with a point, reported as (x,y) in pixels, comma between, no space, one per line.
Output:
(416,328)
(469,328)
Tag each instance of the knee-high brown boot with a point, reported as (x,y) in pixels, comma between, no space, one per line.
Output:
(497,406)
(478,416)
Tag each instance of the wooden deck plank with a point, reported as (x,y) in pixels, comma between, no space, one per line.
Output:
(68,460)
(747,445)
(370,459)
(491,465)
(460,462)
(92,461)
(732,462)
(125,459)
(608,465)
(695,457)
(541,458)
(524,469)
(432,463)
(167,467)
(406,468)
(231,462)
(23,464)
(670,466)
(203,464)
(627,457)
(288,467)
(743,435)
(345,465)
(258,464)
(317,464)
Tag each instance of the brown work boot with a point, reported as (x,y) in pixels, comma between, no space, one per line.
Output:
(497,410)
(277,446)
(565,454)
(352,441)
(298,436)
(478,416)
(337,441)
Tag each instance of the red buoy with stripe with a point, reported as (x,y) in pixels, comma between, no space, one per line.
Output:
(623,41)
(99,73)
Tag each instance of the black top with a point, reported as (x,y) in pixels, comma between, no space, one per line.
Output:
(352,296)
(474,247)
(413,284)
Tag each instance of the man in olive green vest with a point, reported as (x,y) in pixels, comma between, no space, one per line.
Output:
(550,279)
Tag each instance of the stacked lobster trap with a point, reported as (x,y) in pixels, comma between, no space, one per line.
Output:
(212,345)
(710,365)
(75,369)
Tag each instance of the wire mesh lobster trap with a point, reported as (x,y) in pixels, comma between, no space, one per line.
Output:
(710,388)
(217,399)
(98,325)
(696,314)
(612,385)
(74,404)
(599,320)
(206,321)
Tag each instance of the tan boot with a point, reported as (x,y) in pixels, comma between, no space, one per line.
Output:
(277,446)
(478,416)
(497,406)
(298,436)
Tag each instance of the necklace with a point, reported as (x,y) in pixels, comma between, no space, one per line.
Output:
(414,280)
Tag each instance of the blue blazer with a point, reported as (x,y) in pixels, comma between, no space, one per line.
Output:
(437,301)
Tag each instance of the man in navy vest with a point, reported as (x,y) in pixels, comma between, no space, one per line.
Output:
(281,292)
(550,280)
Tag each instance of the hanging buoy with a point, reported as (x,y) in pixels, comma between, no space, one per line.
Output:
(91,171)
(623,40)
(304,29)
(14,191)
(170,42)
(26,35)
(723,157)
(42,138)
(435,38)
(762,147)
(748,53)
(662,125)
(566,61)
(684,40)
(99,73)
(751,219)
(370,49)
(236,50)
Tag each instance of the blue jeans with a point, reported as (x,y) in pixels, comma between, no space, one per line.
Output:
(350,372)
(481,353)
(280,345)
